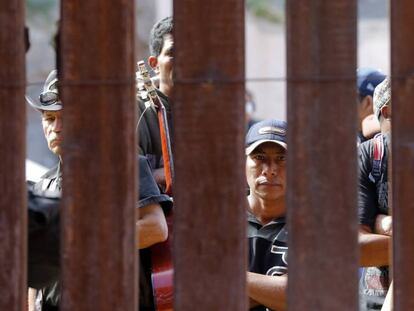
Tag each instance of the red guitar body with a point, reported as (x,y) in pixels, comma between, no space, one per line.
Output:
(163,271)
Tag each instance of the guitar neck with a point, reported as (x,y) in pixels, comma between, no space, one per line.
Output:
(166,150)
(147,84)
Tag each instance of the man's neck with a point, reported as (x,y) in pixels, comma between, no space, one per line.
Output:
(266,210)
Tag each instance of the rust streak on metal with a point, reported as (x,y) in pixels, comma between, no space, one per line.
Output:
(99,262)
(13,212)
(208,128)
(322,172)
(402,63)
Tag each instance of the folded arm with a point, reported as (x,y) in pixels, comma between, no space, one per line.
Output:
(151,226)
(269,291)
(374,248)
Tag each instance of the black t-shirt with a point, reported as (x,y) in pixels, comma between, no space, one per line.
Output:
(372,191)
(149,139)
(372,200)
(268,249)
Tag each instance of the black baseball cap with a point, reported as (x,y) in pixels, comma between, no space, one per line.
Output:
(368,79)
(270,130)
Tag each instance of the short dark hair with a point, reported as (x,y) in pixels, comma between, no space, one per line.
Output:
(161,28)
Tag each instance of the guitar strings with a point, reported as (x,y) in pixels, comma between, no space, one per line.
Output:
(147,105)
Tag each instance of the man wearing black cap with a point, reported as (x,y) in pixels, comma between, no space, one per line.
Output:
(367,80)
(151,226)
(267,232)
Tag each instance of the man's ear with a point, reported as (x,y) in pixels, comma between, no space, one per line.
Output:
(386,111)
(153,62)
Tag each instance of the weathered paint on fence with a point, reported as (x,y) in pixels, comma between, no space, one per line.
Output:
(402,64)
(322,172)
(208,127)
(100,188)
(12,156)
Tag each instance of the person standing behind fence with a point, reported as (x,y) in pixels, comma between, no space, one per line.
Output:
(151,226)
(161,61)
(375,223)
(266,149)
(367,80)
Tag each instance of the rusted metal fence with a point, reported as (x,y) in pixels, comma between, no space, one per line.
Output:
(97,79)
(321,65)
(100,189)
(12,154)
(402,64)
(210,253)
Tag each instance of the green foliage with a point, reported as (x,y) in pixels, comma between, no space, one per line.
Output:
(265,10)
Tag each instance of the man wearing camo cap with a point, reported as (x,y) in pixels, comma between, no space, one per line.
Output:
(375,223)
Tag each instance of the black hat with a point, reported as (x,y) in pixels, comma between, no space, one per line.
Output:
(266,131)
(49,98)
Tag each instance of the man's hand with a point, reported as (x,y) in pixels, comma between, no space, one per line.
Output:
(383,224)
(159,176)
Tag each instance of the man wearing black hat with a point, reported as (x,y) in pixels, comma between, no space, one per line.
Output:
(151,226)
(267,229)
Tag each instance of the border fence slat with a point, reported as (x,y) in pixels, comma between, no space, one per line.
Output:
(12,154)
(321,64)
(208,121)
(99,170)
(402,51)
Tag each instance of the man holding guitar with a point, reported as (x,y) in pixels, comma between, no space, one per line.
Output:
(155,143)
(161,61)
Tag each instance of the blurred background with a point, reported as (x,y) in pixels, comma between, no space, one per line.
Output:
(265,53)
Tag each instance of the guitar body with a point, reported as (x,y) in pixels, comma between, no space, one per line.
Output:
(161,256)
(163,271)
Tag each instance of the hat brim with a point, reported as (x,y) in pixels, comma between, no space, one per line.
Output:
(253,146)
(39,106)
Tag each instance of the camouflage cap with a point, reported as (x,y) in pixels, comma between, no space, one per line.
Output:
(382,96)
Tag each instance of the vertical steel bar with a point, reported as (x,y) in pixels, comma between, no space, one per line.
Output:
(208,120)
(13,212)
(321,55)
(402,75)
(99,161)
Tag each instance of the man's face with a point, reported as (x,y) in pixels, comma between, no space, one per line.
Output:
(52,128)
(164,64)
(266,171)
